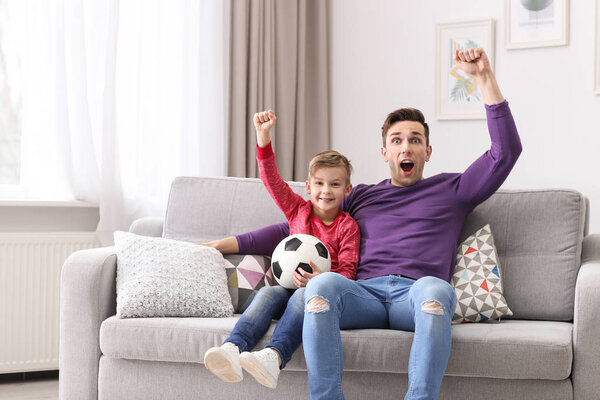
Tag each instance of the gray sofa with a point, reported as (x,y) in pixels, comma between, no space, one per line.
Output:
(550,349)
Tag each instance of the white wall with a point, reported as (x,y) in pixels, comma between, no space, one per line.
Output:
(383,58)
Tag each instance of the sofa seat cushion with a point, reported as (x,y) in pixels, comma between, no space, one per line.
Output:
(507,349)
(512,349)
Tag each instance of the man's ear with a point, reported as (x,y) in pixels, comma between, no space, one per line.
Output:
(384,154)
(308,187)
(429,150)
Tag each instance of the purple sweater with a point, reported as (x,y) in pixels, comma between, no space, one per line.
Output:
(414,230)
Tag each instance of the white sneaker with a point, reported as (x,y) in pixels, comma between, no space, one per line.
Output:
(262,365)
(224,362)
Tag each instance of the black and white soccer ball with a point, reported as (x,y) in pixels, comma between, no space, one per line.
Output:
(295,252)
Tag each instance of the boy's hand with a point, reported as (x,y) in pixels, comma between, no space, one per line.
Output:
(302,277)
(263,122)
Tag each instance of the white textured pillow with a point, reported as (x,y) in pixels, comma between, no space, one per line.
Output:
(159,277)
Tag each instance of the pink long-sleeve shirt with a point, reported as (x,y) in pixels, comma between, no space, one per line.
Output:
(342,237)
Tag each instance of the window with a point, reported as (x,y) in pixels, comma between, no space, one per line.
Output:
(10,101)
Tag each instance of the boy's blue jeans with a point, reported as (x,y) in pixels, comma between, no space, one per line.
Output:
(272,302)
(384,302)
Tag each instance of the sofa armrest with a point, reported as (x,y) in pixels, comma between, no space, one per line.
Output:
(147,226)
(586,330)
(88,297)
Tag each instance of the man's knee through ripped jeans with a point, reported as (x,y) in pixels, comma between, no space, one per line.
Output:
(317,304)
(433,307)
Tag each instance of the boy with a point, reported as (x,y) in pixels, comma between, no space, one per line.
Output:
(328,183)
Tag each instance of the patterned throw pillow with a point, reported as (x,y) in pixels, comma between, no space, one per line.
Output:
(246,274)
(159,277)
(477,280)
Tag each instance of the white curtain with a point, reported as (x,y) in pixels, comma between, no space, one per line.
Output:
(120,97)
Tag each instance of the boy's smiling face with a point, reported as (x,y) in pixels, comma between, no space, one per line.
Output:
(406,152)
(327,188)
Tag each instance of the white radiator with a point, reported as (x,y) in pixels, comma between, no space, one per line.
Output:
(30,265)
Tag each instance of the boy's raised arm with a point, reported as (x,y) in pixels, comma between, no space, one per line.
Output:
(285,198)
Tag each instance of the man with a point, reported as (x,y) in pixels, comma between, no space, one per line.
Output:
(409,231)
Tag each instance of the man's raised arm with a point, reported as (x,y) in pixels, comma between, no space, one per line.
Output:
(490,170)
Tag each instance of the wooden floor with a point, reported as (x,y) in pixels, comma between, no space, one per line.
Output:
(25,387)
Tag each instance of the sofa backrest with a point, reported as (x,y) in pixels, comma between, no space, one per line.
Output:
(538,233)
(203,209)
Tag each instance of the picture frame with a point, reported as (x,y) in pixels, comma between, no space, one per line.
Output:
(536,23)
(597,64)
(456,95)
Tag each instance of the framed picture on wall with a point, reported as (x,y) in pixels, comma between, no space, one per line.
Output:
(536,23)
(597,65)
(457,96)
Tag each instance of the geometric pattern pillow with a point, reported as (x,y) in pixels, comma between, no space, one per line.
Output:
(477,280)
(246,274)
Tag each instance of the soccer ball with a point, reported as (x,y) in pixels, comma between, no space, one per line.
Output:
(294,252)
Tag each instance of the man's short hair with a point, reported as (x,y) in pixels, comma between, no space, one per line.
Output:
(404,114)
(330,159)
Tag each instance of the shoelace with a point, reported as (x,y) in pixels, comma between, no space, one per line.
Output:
(270,356)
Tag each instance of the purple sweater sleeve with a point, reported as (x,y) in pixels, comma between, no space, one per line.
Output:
(264,240)
(489,171)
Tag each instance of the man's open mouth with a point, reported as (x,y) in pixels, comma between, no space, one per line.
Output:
(407,166)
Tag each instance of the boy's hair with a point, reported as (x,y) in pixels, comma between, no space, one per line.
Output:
(330,159)
(404,114)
